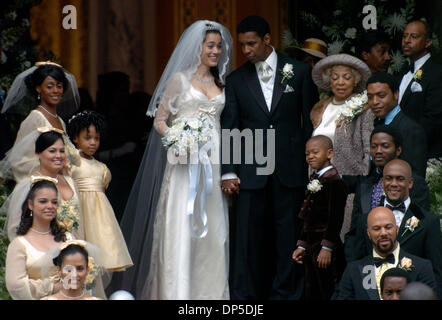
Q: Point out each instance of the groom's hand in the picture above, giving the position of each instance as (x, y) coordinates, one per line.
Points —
(230, 186)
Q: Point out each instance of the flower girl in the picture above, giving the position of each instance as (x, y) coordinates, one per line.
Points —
(92, 178)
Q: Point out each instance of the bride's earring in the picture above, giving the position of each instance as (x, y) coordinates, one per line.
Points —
(30, 214)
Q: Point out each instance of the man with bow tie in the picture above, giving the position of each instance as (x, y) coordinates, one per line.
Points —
(361, 278)
(382, 92)
(420, 90)
(419, 230)
(385, 145)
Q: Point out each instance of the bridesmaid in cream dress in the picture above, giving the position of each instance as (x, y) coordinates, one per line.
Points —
(92, 178)
(50, 150)
(72, 260)
(51, 86)
(38, 232)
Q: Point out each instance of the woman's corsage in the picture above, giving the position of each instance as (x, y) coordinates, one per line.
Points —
(411, 224)
(352, 107)
(287, 72)
(314, 186)
(406, 264)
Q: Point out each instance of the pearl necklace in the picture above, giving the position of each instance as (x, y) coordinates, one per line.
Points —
(54, 115)
(39, 232)
(70, 297)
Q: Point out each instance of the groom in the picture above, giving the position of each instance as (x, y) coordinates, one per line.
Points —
(259, 97)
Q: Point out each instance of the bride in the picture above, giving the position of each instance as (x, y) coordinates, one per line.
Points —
(176, 229)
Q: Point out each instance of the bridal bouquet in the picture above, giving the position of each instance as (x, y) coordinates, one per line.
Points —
(67, 216)
(185, 134)
(352, 107)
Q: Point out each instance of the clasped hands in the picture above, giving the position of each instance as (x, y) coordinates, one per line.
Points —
(230, 186)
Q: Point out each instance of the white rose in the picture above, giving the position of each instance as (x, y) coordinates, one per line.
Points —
(314, 186)
(347, 112)
(288, 68)
(350, 33)
(194, 123)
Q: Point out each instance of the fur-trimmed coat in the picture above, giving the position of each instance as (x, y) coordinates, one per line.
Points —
(351, 141)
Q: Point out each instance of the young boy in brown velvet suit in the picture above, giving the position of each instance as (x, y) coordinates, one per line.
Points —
(319, 246)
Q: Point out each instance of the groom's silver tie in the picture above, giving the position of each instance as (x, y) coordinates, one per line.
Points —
(265, 72)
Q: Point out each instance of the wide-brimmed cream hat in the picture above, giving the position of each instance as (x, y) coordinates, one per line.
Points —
(344, 60)
(313, 46)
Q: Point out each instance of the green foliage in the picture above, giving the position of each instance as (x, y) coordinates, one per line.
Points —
(4, 242)
(434, 181)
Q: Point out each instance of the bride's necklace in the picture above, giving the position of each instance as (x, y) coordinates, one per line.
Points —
(40, 232)
(208, 81)
(337, 102)
(54, 115)
(71, 297)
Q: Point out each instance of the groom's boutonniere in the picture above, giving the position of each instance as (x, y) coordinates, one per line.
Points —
(418, 75)
(314, 186)
(287, 72)
(411, 224)
(406, 264)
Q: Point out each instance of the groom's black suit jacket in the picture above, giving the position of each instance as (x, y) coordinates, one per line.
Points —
(351, 286)
(426, 107)
(289, 117)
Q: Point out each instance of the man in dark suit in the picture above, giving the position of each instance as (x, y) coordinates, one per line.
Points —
(419, 230)
(382, 92)
(361, 278)
(420, 90)
(385, 145)
(273, 94)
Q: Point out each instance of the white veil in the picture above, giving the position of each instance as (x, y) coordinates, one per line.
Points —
(186, 58)
(18, 91)
(139, 215)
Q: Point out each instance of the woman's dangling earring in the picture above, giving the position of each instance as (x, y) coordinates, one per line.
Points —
(38, 97)
(30, 214)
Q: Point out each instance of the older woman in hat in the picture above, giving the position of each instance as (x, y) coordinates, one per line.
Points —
(345, 116)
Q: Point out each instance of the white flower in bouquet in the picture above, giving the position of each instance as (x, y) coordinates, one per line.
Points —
(185, 134)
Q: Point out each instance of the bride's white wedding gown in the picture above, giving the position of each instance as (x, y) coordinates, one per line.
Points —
(182, 266)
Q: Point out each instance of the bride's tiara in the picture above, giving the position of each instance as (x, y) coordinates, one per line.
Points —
(43, 63)
(210, 26)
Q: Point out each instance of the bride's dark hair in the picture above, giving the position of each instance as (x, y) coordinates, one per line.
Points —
(214, 70)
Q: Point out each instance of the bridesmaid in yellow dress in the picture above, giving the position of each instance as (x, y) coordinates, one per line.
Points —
(38, 232)
(92, 178)
(75, 262)
(54, 90)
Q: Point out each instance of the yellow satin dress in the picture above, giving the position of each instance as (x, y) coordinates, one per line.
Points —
(101, 228)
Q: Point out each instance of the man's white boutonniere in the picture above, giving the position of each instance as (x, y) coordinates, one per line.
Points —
(418, 75)
(314, 186)
(287, 72)
(411, 224)
(352, 107)
(406, 264)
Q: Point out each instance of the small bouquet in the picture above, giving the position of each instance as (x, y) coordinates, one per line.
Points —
(352, 107)
(185, 134)
(67, 216)
(93, 272)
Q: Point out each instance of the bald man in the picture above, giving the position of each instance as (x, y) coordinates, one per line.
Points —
(361, 278)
